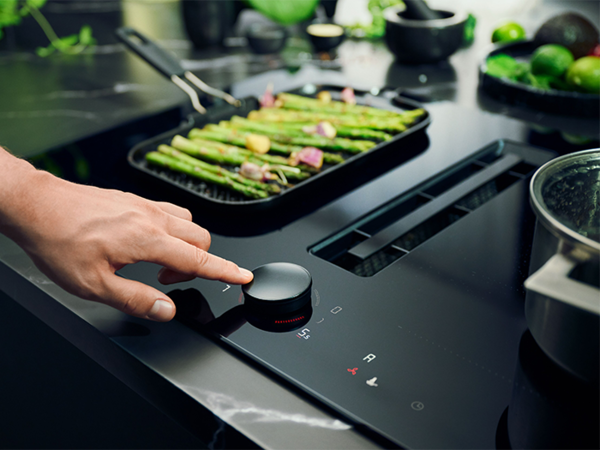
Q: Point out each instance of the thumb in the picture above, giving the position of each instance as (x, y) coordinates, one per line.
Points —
(138, 299)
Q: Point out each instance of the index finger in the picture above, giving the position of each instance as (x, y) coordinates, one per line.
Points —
(182, 257)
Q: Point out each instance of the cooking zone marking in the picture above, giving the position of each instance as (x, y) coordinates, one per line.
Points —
(485, 369)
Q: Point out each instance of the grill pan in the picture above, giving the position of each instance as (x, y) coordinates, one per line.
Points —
(356, 170)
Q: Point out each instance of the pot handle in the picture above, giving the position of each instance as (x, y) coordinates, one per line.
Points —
(552, 280)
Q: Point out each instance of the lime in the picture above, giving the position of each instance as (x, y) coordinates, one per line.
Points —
(508, 32)
(551, 59)
(585, 74)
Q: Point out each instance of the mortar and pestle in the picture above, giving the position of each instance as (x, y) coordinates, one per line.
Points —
(417, 34)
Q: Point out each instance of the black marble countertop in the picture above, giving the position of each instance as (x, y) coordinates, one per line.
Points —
(106, 100)
(51, 102)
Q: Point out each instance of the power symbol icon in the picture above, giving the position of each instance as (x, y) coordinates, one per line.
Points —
(417, 406)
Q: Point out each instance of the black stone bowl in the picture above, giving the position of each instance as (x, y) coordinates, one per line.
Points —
(565, 103)
(319, 38)
(423, 41)
(266, 38)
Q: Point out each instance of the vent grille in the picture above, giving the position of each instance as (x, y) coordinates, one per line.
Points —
(393, 230)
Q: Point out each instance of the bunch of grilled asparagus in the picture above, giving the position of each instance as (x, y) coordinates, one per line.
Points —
(277, 146)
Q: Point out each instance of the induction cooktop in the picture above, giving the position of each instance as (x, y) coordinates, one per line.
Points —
(405, 321)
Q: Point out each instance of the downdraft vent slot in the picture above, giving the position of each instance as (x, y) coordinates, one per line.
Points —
(397, 228)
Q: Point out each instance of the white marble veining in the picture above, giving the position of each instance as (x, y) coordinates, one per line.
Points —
(226, 407)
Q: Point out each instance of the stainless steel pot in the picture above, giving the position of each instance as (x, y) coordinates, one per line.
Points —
(563, 297)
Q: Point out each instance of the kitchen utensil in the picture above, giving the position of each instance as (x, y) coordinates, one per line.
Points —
(167, 65)
(208, 21)
(563, 296)
(325, 36)
(423, 41)
(266, 38)
(553, 101)
(418, 10)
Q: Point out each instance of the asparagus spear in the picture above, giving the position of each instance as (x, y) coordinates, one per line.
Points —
(195, 171)
(184, 157)
(296, 129)
(347, 145)
(394, 125)
(232, 135)
(213, 140)
(291, 101)
(221, 155)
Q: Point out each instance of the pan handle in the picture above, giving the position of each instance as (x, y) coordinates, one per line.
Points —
(160, 59)
(157, 57)
(552, 281)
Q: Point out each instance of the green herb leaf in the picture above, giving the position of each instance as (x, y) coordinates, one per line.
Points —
(469, 33)
(85, 35)
(45, 51)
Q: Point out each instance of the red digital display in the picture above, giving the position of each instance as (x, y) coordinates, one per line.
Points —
(296, 319)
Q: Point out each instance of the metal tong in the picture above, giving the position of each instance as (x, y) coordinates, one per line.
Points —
(166, 64)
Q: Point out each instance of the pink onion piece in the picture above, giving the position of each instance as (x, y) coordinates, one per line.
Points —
(255, 172)
(322, 129)
(311, 156)
(326, 129)
(348, 96)
(267, 100)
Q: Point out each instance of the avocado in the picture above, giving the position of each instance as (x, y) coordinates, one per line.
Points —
(571, 30)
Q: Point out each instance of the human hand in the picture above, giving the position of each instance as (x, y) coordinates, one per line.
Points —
(79, 236)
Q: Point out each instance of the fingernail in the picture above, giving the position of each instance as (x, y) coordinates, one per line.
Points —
(246, 273)
(161, 311)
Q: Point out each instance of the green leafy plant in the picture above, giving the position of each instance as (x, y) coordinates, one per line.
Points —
(285, 12)
(12, 13)
(376, 29)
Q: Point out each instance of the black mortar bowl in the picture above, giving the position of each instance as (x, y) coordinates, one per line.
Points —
(423, 41)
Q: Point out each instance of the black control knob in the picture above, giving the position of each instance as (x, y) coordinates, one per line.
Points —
(278, 288)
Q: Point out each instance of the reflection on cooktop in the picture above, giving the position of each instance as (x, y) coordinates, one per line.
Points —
(194, 310)
(551, 408)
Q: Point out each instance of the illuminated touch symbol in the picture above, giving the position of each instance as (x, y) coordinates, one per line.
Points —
(304, 334)
(336, 310)
(372, 382)
(353, 371)
(370, 357)
(417, 406)
(226, 288)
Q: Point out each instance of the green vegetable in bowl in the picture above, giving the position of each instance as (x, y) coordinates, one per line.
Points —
(584, 74)
(505, 66)
(551, 59)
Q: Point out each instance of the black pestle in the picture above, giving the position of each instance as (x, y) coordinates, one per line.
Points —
(418, 10)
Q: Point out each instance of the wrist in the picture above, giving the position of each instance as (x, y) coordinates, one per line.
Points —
(21, 189)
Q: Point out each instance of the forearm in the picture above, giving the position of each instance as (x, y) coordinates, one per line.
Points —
(79, 236)
(20, 187)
